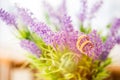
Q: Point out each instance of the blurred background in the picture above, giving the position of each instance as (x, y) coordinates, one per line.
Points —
(12, 58)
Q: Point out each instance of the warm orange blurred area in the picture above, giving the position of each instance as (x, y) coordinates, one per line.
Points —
(115, 72)
(13, 65)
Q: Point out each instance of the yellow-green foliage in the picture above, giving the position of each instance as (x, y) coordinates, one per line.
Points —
(56, 64)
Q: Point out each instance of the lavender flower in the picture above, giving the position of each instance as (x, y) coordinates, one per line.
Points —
(40, 28)
(71, 41)
(63, 39)
(43, 31)
(31, 47)
(112, 39)
(107, 46)
(67, 36)
(118, 39)
(83, 12)
(58, 13)
(97, 42)
(62, 8)
(26, 16)
(7, 17)
(115, 27)
(66, 24)
(95, 8)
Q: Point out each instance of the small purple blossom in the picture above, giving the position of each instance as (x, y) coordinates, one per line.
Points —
(67, 36)
(31, 47)
(10, 19)
(83, 12)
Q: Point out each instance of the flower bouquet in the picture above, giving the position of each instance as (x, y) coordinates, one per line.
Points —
(60, 52)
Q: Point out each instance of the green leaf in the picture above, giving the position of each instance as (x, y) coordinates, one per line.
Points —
(85, 30)
(106, 62)
(102, 75)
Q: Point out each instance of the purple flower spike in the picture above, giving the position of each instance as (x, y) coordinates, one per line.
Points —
(62, 8)
(67, 26)
(39, 28)
(97, 42)
(107, 46)
(83, 12)
(31, 47)
(104, 55)
(26, 16)
(43, 31)
(118, 39)
(56, 13)
(115, 27)
(7, 17)
(112, 39)
(95, 8)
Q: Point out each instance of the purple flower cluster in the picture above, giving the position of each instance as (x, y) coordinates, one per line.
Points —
(63, 39)
(31, 47)
(7, 17)
(66, 37)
